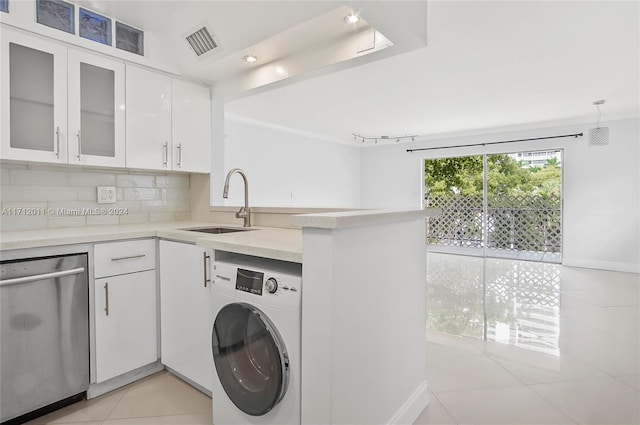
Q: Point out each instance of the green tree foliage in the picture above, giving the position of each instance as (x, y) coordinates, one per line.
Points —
(505, 176)
(448, 176)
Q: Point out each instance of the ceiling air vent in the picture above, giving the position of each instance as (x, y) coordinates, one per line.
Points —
(202, 41)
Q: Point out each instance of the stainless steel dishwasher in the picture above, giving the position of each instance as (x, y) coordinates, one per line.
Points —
(44, 334)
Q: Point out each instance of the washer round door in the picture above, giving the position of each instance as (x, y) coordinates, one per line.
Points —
(250, 358)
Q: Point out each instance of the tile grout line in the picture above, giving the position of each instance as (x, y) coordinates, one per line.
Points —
(118, 402)
(445, 409)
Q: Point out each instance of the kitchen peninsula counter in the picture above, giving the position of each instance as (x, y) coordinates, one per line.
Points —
(270, 242)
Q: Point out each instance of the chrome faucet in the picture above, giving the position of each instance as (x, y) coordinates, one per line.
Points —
(243, 212)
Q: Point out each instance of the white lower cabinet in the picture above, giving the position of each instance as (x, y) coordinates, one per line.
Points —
(186, 311)
(125, 303)
(125, 323)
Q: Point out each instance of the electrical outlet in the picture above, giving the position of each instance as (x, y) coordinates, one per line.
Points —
(106, 194)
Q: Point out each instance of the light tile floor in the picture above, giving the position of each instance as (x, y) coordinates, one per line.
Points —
(160, 399)
(570, 351)
(588, 373)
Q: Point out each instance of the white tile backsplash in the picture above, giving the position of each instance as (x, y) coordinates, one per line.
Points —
(141, 194)
(87, 193)
(135, 180)
(183, 215)
(91, 179)
(162, 216)
(66, 196)
(52, 193)
(67, 221)
(96, 220)
(181, 182)
(10, 193)
(11, 223)
(4, 176)
(158, 206)
(132, 207)
(134, 218)
(39, 178)
(175, 194)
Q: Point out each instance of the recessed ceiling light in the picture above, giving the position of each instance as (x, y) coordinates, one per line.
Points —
(351, 19)
(250, 58)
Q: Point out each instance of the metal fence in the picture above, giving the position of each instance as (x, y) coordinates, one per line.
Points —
(514, 222)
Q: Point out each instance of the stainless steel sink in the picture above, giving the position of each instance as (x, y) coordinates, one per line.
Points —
(217, 230)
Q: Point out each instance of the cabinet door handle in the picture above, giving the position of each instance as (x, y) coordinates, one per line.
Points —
(130, 257)
(165, 154)
(79, 145)
(179, 155)
(106, 298)
(204, 262)
(58, 142)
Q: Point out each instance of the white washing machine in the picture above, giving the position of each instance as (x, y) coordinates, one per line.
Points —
(256, 341)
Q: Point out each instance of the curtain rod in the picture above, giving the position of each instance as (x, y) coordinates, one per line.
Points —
(576, 135)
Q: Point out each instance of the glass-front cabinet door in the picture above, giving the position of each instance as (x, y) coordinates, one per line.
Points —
(96, 110)
(33, 98)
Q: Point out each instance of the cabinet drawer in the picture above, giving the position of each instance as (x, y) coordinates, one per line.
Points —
(115, 258)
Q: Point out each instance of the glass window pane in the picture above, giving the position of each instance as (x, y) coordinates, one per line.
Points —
(95, 27)
(129, 39)
(97, 110)
(4, 6)
(31, 98)
(56, 14)
(524, 205)
(455, 185)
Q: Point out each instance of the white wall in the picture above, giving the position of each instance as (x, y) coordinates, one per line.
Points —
(288, 170)
(363, 329)
(601, 186)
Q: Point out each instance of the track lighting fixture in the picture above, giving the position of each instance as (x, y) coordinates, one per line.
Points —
(363, 139)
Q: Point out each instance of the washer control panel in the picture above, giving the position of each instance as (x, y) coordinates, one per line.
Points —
(279, 289)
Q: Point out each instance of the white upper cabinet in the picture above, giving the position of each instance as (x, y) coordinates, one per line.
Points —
(96, 110)
(60, 105)
(191, 127)
(148, 119)
(69, 106)
(33, 98)
(168, 123)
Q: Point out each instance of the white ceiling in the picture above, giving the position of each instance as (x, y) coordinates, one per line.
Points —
(486, 65)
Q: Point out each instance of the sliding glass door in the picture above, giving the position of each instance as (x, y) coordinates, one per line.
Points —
(502, 205)
(492, 271)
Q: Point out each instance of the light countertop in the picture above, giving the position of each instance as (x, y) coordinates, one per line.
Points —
(269, 242)
(342, 219)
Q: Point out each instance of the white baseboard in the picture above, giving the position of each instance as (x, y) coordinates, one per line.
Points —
(411, 409)
(96, 390)
(601, 265)
(189, 381)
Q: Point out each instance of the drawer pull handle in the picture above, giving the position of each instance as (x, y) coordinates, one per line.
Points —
(206, 279)
(223, 278)
(106, 298)
(130, 257)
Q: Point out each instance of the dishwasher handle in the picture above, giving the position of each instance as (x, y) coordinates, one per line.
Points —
(43, 276)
